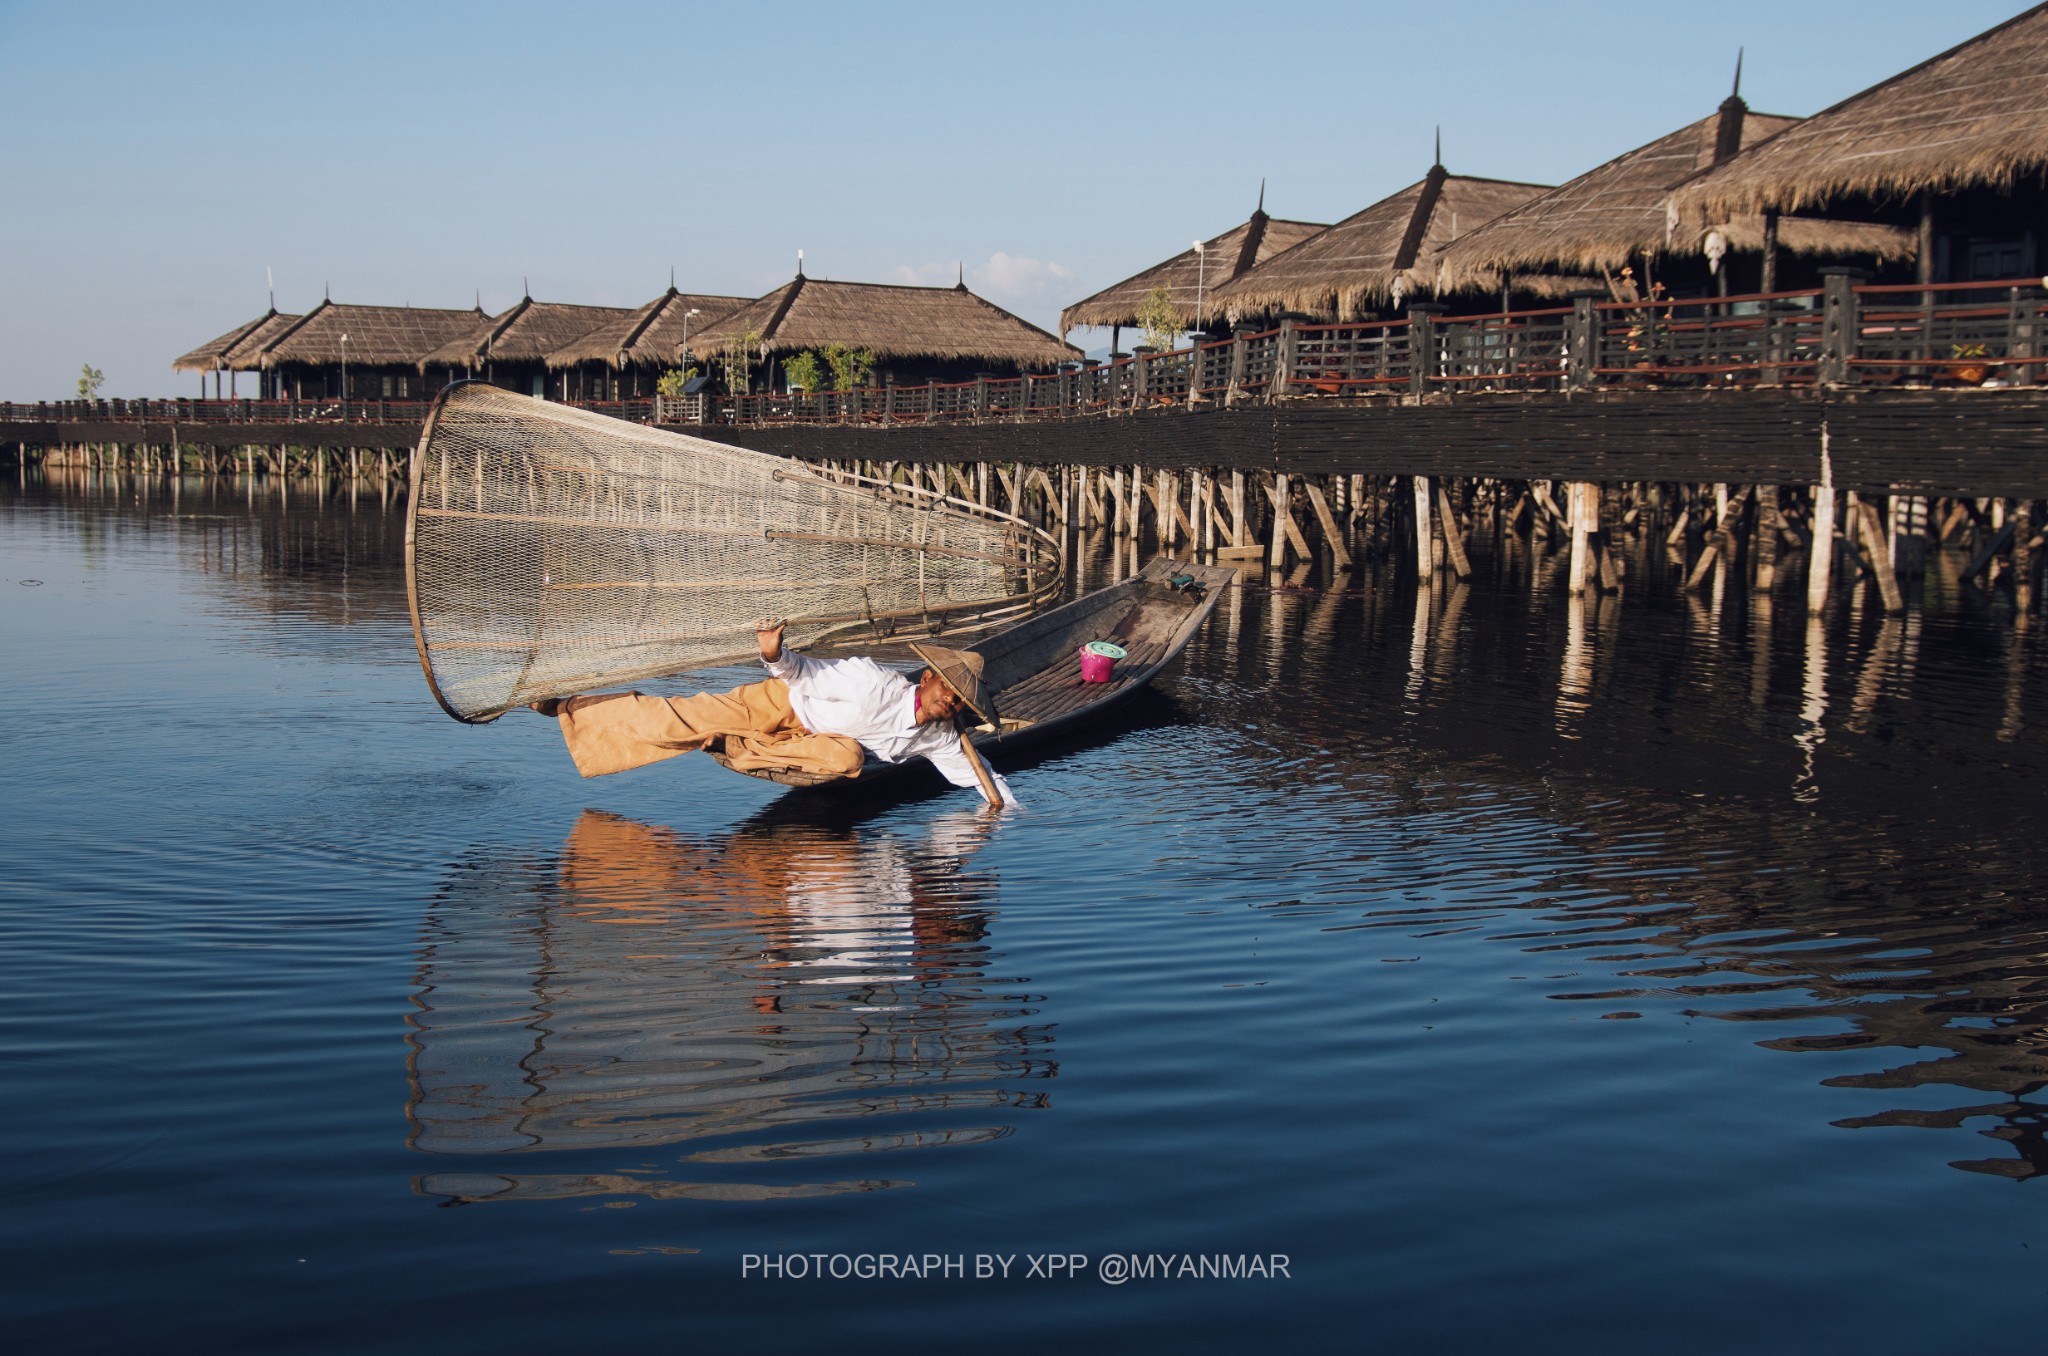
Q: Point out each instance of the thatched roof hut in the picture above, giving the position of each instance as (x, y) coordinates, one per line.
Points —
(1975, 116)
(892, 321)
(377, 336)
(1597, 223)
(1192, 277)
(527, 333)
(240, 349)
(1368, 261)
(648, 336)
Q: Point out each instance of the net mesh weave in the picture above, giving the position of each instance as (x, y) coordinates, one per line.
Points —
(552, 551)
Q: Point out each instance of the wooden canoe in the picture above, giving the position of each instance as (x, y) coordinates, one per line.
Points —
(1034, 668)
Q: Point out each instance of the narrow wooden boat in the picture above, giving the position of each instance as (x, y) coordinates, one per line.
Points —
(1034, 667)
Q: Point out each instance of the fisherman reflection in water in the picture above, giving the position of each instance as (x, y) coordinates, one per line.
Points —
(822, 716)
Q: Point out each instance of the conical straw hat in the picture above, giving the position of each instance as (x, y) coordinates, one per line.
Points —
(961, 670)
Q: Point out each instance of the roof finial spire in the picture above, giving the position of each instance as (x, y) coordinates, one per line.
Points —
(1439, 143)
(479, 298)
(960, 274)
(671, 277)
(271, 283)
(799, 263)
(1736, 93)
(326, 291)
(1262, 195)
(525, 287)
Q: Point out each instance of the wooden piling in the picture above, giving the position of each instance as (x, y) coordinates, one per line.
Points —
(1821, 551)
(1454, 536)
(2023, 562)
(1878, 546)
(1335, 538)
(1763, 539)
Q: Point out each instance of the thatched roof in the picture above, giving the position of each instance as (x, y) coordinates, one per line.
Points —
(528, 332)
(1606, 217)
(238, 350)
(377, 335)
(649, 336)
(1974, 116)
(1369, 259)
(1189, 277)
(890, 321)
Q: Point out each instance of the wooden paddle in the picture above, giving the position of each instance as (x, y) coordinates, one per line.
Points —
(981, 772)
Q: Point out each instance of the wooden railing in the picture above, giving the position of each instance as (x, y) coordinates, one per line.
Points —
(1843, 334)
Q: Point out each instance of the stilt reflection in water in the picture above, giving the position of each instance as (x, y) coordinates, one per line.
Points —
(648, 988)
(1813, 710)
(1575, 681)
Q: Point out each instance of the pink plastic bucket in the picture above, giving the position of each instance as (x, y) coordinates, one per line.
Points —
(1098, 660)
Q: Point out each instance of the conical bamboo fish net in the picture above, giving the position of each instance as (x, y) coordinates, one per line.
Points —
(551, 551)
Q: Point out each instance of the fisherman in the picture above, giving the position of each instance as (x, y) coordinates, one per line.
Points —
(810, 715)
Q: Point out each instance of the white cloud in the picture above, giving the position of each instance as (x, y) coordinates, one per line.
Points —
(1007, 279)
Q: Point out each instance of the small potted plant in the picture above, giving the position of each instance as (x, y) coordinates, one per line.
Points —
(1969, 367)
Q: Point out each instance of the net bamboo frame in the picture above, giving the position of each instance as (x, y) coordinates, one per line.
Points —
(551, 551)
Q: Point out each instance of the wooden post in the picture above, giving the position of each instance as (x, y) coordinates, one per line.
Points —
(1763, 538)
(1239, 536)
(1721, 548)
(1582, 341)
(1923, 267)
(1237, 361)
(1285, 533)
(1425, 545)
(1768, 279)
(1874, 542)
(1283, 362)
(1454, 536)
(1821, 554)
(1422, 355)
(1329, 522)
(1276, 551)
(1607, 542)
(1580, 575)
(1116, 495)
(1840, 323)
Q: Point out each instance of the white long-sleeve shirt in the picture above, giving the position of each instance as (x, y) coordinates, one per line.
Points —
(862, 700)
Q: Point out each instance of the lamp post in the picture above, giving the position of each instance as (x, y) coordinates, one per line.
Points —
(344, 378)
(1201, 277)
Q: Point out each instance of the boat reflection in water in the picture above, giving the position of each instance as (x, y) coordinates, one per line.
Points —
(792, 991)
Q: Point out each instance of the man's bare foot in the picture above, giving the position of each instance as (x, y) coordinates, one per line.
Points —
(547, 706)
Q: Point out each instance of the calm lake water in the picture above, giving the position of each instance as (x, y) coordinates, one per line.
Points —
(1654, 974)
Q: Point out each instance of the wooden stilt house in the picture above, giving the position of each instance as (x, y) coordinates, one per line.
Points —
(1375, 261)
(239, 350)
(1609, 229)
(343, 352)
(512, 351)
(1191, 277)
(1954, 150)
(623, 358)
(914, 334)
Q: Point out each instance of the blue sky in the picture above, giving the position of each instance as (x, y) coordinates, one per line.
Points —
(158, 158)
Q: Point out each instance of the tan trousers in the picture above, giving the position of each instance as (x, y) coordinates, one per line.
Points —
(753, 725)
